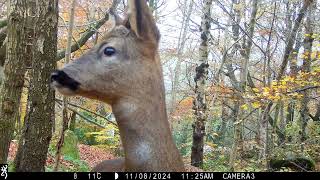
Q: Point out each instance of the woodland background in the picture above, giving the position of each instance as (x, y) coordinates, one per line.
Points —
(242, 84)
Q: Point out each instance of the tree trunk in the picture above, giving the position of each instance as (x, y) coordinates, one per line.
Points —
(287, 51)
(273, 128)
(14, 71)
(316, 117)
(282, 123)
(235, 18)
(236, 136)
(200, 86)
(224, 119)
(293, 72)
(37, 132)
(263, 140)
(243, 83)
(73, 119)
(306, 66)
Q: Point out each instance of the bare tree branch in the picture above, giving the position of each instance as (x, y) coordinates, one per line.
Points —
(241, 28)
(83, 117)
(91, 112)
(89, 32)
(304, 89)
(84, 38)
(291, 39)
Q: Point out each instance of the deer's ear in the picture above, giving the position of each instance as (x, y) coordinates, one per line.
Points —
(117, 19)
(141, 21)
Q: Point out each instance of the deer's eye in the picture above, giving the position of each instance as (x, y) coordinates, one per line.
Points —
(109, 51)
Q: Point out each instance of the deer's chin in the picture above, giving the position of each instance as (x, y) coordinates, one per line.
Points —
(62, 89)
(94, 95)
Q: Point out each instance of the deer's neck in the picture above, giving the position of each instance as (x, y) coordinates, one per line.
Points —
(145, 134)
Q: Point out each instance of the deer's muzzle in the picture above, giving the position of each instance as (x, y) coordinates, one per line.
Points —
(60, 79)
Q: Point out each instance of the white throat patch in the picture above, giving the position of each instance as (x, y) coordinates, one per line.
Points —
(143, 151)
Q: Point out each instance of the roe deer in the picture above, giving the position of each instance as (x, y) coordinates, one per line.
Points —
(124, 71)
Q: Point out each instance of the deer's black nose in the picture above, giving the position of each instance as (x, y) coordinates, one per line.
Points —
(55, 76)
(64, 80)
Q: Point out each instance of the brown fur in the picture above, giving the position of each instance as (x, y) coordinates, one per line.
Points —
(114, 165)
(131, 82)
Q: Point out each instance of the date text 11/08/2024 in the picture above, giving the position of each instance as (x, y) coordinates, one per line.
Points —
(195, 176)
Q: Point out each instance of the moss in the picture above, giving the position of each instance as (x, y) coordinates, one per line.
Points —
(299, 163)
(70, 146)
(11, 167)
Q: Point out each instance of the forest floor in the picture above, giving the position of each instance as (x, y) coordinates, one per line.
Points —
(91, 155)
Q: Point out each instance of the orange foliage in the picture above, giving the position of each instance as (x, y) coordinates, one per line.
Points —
(86, 14)
(184, 108)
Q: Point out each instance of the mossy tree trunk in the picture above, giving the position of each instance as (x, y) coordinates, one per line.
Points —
(37, 132)
(14, 70)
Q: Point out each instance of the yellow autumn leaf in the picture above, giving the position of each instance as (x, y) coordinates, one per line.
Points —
(313, 55)
(283, 84)
(265, 93)
(256, 104)
(288, 79)
(276, 98)
(294, 94)
(317, 69)
(299, 96)
(255, 90)
(212, 145)
(245, 107)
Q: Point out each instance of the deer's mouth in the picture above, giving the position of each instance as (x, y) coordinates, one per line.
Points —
(64, 83)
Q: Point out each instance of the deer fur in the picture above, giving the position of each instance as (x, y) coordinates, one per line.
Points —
(131, 81)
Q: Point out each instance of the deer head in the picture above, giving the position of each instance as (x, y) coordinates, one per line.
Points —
(122, 63)
(124, 71)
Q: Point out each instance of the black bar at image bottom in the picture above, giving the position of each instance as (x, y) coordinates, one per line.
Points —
(158, 175)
